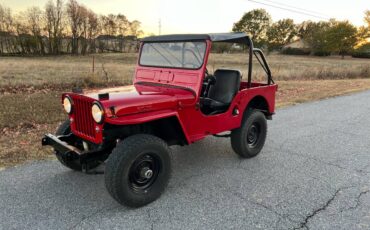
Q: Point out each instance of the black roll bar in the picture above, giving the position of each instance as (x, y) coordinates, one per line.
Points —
(263, 63)
(249, 85)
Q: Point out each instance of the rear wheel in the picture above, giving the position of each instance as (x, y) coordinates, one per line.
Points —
(248, 140)
(138, 170)
(74, 164)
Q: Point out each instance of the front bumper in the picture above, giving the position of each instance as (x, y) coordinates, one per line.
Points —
(62, 146)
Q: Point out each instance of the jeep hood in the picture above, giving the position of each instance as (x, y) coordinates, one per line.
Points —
(133, 99)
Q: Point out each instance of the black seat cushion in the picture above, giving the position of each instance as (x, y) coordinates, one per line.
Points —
(226, 87)
(212, 104)
(222, 93)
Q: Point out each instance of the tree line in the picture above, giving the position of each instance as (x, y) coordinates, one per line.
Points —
(65, 27)
(323, 37)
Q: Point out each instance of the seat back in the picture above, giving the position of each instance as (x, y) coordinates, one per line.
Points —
(226, 87)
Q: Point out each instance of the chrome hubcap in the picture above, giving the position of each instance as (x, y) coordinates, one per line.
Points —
(146, 173)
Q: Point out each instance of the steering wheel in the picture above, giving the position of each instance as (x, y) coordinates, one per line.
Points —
(207, 73)
(209, 80)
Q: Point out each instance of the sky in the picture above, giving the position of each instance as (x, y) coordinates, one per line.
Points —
(203, 16)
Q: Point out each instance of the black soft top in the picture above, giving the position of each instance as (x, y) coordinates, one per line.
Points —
(215, 37)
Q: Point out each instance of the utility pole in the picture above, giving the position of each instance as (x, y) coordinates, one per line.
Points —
(159, 26)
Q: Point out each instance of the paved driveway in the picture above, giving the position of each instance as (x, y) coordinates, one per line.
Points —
(314, 172)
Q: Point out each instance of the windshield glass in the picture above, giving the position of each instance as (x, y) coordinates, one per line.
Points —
(188, 55)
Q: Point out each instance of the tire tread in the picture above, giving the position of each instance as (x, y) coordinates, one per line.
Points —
(122, 153)
(237, 134)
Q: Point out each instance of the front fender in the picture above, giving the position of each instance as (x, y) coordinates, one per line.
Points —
(140, 118)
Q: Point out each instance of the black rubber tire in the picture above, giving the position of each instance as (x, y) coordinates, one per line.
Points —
(123, 157)
(239, 137)
(65, 129)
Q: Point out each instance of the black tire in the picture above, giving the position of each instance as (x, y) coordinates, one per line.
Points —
(65, 129)
(125, 171)
(248, 140)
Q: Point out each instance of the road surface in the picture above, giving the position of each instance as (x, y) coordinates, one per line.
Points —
(314, 173)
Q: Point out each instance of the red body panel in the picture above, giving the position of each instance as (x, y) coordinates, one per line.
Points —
(199, 125)
(82, 123)
(168, 92)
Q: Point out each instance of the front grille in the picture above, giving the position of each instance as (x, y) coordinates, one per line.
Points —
(84, 122)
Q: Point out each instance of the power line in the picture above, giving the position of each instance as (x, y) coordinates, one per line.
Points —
(301, 9)
(291, 10)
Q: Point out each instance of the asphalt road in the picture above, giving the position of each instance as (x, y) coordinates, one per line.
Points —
(314, 172)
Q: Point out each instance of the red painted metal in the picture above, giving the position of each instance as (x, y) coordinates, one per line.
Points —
(165, 92)
(82, 122)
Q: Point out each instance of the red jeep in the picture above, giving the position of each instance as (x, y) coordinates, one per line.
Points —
(174, 100)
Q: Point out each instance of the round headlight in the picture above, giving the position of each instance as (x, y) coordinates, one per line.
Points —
(67, 104)
(97, 112)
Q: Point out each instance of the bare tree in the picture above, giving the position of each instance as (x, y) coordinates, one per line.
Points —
(35, 23)
(2, 18)
(122, 24)
(6, 19)
(8, 42)
(92, 30)
(135, 28)
(25, 32)
(5, 16)
(75, 19)
(109, 24)
(22, 36)
(84, 27)
(54, 26)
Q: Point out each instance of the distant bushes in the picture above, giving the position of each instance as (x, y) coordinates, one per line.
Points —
(295, 51)
(321, 53)
(303, 51)
(225, 47)
(362, 52)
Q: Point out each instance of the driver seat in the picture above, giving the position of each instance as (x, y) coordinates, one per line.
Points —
(221, 94)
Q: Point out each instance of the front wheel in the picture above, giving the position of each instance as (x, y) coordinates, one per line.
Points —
(248, 140)
(138, 170)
